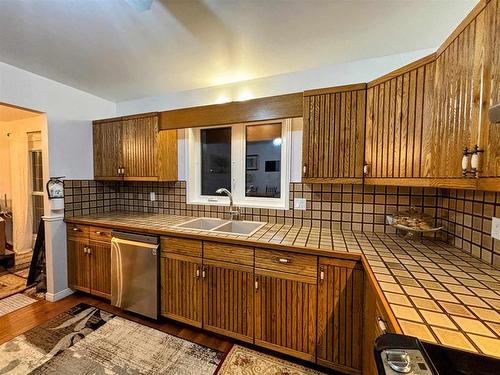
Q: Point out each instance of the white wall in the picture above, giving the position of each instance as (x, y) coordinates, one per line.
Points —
(340, 74)
(69, 147)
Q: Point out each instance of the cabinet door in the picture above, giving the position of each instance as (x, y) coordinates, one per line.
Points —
(100, 268)
(340, 314)
(181, 288)
(285, 313)
(398, 125)
(107, 142)
(140, 149)
(228, 291)
(78, 264)
(333, 136)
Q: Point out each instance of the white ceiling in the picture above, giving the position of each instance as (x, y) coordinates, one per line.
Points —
(9, 113)
(107, 48)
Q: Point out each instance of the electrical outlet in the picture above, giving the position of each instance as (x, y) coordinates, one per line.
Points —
(299, 204)
(495, 228)
(152, 196)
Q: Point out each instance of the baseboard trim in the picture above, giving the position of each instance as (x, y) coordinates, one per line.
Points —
(53, 297)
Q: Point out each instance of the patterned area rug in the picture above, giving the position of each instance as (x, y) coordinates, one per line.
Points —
(87, 340)
(11, 284)
(244, 361)
(15, 302)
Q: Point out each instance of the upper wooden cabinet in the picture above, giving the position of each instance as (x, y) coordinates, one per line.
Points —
(133, 148)
(420, 118)
(467, 84)
(333, 136)
(398, 124)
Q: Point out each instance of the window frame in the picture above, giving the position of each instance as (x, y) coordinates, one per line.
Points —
(238, 168)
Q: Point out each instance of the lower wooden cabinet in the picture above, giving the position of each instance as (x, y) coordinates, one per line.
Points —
(78, 264)
(340, 314)
(100, 268)
(181, 288)
(285, 313)
(89, 264)
(228, 294)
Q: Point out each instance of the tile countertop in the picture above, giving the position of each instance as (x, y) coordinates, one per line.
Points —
(435, 291)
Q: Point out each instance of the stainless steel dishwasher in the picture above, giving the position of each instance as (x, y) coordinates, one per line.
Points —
(134, 273)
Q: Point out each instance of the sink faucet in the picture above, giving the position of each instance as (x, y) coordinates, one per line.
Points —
(233, 214)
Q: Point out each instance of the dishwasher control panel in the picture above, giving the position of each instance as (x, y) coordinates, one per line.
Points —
(404, 361)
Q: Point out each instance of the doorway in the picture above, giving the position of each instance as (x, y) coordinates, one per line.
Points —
(23, 158)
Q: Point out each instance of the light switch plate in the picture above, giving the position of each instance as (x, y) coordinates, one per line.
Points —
(495, 228)
(299, 204)
(152, 196)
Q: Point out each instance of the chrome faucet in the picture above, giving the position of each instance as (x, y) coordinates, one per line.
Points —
(233, 214)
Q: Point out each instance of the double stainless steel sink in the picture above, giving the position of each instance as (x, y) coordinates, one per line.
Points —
(237, 227)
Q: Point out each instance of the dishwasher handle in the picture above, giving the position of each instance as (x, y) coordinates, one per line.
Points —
(141, 238)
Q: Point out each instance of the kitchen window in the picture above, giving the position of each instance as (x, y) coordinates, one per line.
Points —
(250, 160)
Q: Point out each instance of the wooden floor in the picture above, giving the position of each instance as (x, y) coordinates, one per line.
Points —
(22, 320)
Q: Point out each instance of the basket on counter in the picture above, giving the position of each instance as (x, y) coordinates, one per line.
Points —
(412, 224)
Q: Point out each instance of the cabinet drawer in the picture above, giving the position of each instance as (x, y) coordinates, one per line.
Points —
(77, 231)
(100, 234)
(182, 246)
(228, 253)
(284, 261)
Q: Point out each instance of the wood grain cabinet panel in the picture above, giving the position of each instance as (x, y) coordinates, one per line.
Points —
(181, 288)
(285, 313)
(100, 268)
(340, 314)
(78, 264)
(133, 148)
(333, 135)
(398, 124)
(89, 259)
(107, 142)
(228, 295)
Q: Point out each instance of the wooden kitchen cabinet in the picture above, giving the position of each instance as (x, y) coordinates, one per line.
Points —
(467, 83)
(340, 314)
(398, 125)
(285, 313)
(78, 264)
(228, 295)
(89, 259)
(334, 134)
(181, 288)
(132, 148)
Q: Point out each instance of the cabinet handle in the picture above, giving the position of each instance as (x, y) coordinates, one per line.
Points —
(98, 233)
(75, 230)
(382, 325)
(284, 260)
(256, 284)
(89, 250)
(321, 274)
(197, 272)
(304, 169)
(85, 250)
(204, 273)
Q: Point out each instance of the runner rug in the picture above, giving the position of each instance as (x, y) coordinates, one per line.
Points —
(88, 340)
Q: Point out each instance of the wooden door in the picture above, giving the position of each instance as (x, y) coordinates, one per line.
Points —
(100, 268)
(333, 136)
(340, 314)
(285, 313)
(107, 143)
(140, 151)
(181, 288)
(78, 264)
(228, 291)
(399, 125)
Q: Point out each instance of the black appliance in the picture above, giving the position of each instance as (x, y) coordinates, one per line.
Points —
(399, 354)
